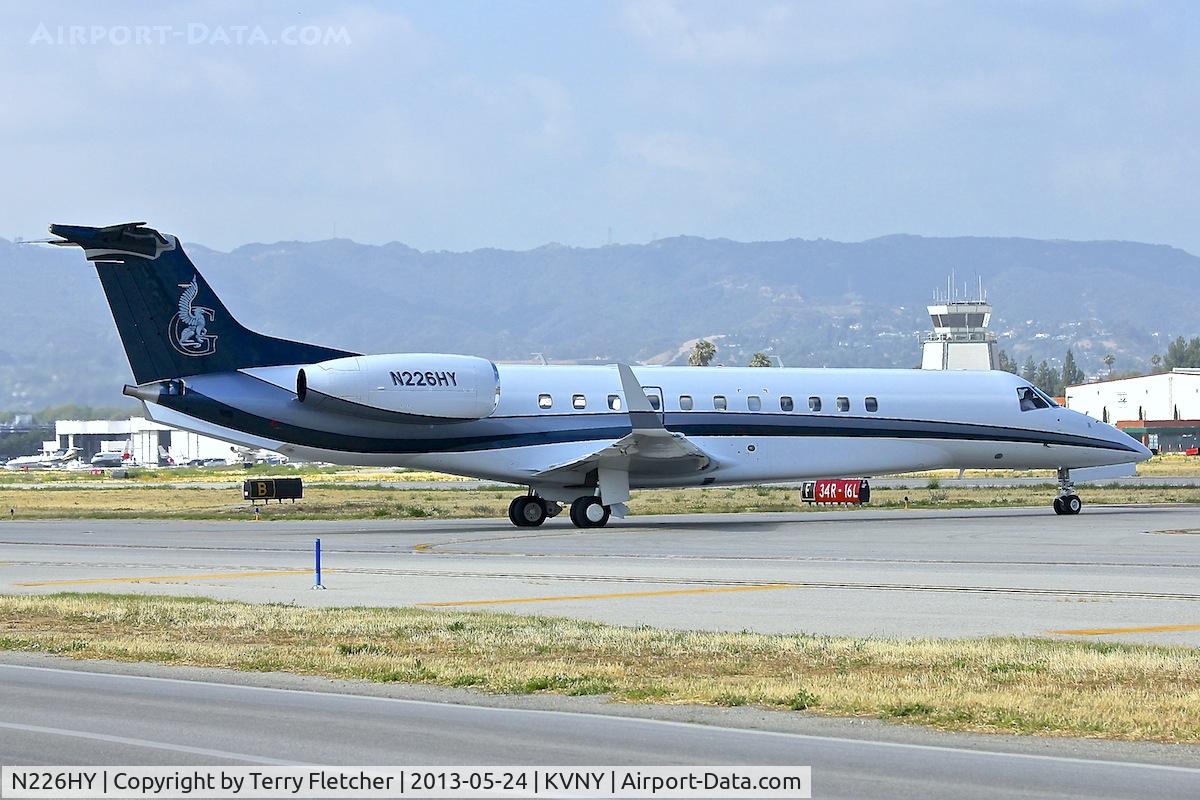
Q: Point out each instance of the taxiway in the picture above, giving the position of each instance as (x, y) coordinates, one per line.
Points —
(1112, 573)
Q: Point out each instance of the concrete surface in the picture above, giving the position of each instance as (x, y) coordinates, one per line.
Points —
(1112, 573)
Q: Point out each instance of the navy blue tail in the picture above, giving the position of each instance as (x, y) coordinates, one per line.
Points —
(171, 322)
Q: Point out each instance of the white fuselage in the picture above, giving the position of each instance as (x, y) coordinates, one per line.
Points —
(742, 417)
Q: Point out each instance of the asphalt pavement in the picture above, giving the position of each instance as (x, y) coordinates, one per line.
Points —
(77, 716)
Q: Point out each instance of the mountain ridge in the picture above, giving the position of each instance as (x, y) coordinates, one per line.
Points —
(813, 302)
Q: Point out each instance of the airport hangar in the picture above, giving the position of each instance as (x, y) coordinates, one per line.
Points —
(146, 441)
(1162, 410)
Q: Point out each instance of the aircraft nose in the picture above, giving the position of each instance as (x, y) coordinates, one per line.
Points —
(1142, 452)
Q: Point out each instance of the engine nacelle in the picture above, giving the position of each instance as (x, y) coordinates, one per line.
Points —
(405, 387)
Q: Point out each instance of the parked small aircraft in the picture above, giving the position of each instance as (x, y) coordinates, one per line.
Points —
(42, 460)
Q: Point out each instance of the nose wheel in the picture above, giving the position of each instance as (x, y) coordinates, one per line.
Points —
(1067, 503)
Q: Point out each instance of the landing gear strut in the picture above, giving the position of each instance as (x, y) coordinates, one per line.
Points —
(1067, 502)
(589, 512)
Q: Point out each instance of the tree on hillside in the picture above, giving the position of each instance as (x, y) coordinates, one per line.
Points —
(20, 444)
(1029, 371)
(1072, 375)
(1007, 364)
(1109, 360)
(1183, 353)
(1049, 380)
(759, 360)
(76, 411)
(1156, 363)
(702, 354)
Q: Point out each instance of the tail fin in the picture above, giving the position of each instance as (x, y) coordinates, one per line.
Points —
(171, 322)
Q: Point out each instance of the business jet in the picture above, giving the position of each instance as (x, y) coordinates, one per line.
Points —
(42, 460)
(576, 436)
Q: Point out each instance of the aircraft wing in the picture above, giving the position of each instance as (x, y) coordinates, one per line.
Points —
(648, 450)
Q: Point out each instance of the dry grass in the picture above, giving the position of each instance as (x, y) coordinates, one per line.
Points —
(1166, 465)
(1169, 465)
(356, 502)
(143, 476)
(1005, 685)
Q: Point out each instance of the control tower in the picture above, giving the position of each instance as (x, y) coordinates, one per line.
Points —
(960, 338)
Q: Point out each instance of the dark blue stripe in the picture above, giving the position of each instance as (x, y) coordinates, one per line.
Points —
(497, 433)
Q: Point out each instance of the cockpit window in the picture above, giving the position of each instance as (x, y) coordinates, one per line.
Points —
(1031, 399)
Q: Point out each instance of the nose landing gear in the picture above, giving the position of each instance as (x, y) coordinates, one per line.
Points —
(1067, 503)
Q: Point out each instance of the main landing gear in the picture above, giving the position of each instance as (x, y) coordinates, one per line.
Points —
(589, 512)
(1067, 502)
(530, 511)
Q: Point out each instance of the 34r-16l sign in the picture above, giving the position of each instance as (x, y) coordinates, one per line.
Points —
(836, 490)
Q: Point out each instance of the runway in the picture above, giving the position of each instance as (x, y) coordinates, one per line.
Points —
(77, 716)
(1113, 573)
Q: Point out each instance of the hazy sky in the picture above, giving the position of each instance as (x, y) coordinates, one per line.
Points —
(465, 125)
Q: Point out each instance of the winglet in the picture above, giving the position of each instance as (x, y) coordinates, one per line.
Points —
(641, 414)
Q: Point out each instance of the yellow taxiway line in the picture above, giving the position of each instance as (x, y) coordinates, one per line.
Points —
(614, 595)
(1141, 629)
(153, 578)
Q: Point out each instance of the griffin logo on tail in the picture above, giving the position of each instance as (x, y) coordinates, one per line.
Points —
(189, 327)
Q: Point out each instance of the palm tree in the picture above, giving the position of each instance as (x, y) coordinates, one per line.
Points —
(1109, 360)
(760, 360)
(702, 354)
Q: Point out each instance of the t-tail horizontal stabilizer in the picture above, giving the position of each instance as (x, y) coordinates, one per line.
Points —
(171, 322)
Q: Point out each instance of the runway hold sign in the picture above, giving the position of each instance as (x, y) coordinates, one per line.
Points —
(836, 490)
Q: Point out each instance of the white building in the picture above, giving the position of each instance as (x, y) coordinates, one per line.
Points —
(1162, 410)
(146, 441)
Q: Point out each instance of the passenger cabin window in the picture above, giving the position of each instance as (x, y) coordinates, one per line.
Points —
(579, 402)
(814, 404)
(655, 401)
(872, 404)
(1031, 399)
(614, 402)
(754, 403)
(545, 401)
(843, 404)
(786, 404)
(685, 402)
(719, 402)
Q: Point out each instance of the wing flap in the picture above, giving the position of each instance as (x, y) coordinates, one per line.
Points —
(648, 449)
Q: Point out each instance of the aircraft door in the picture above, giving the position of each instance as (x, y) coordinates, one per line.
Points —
(655, 395)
